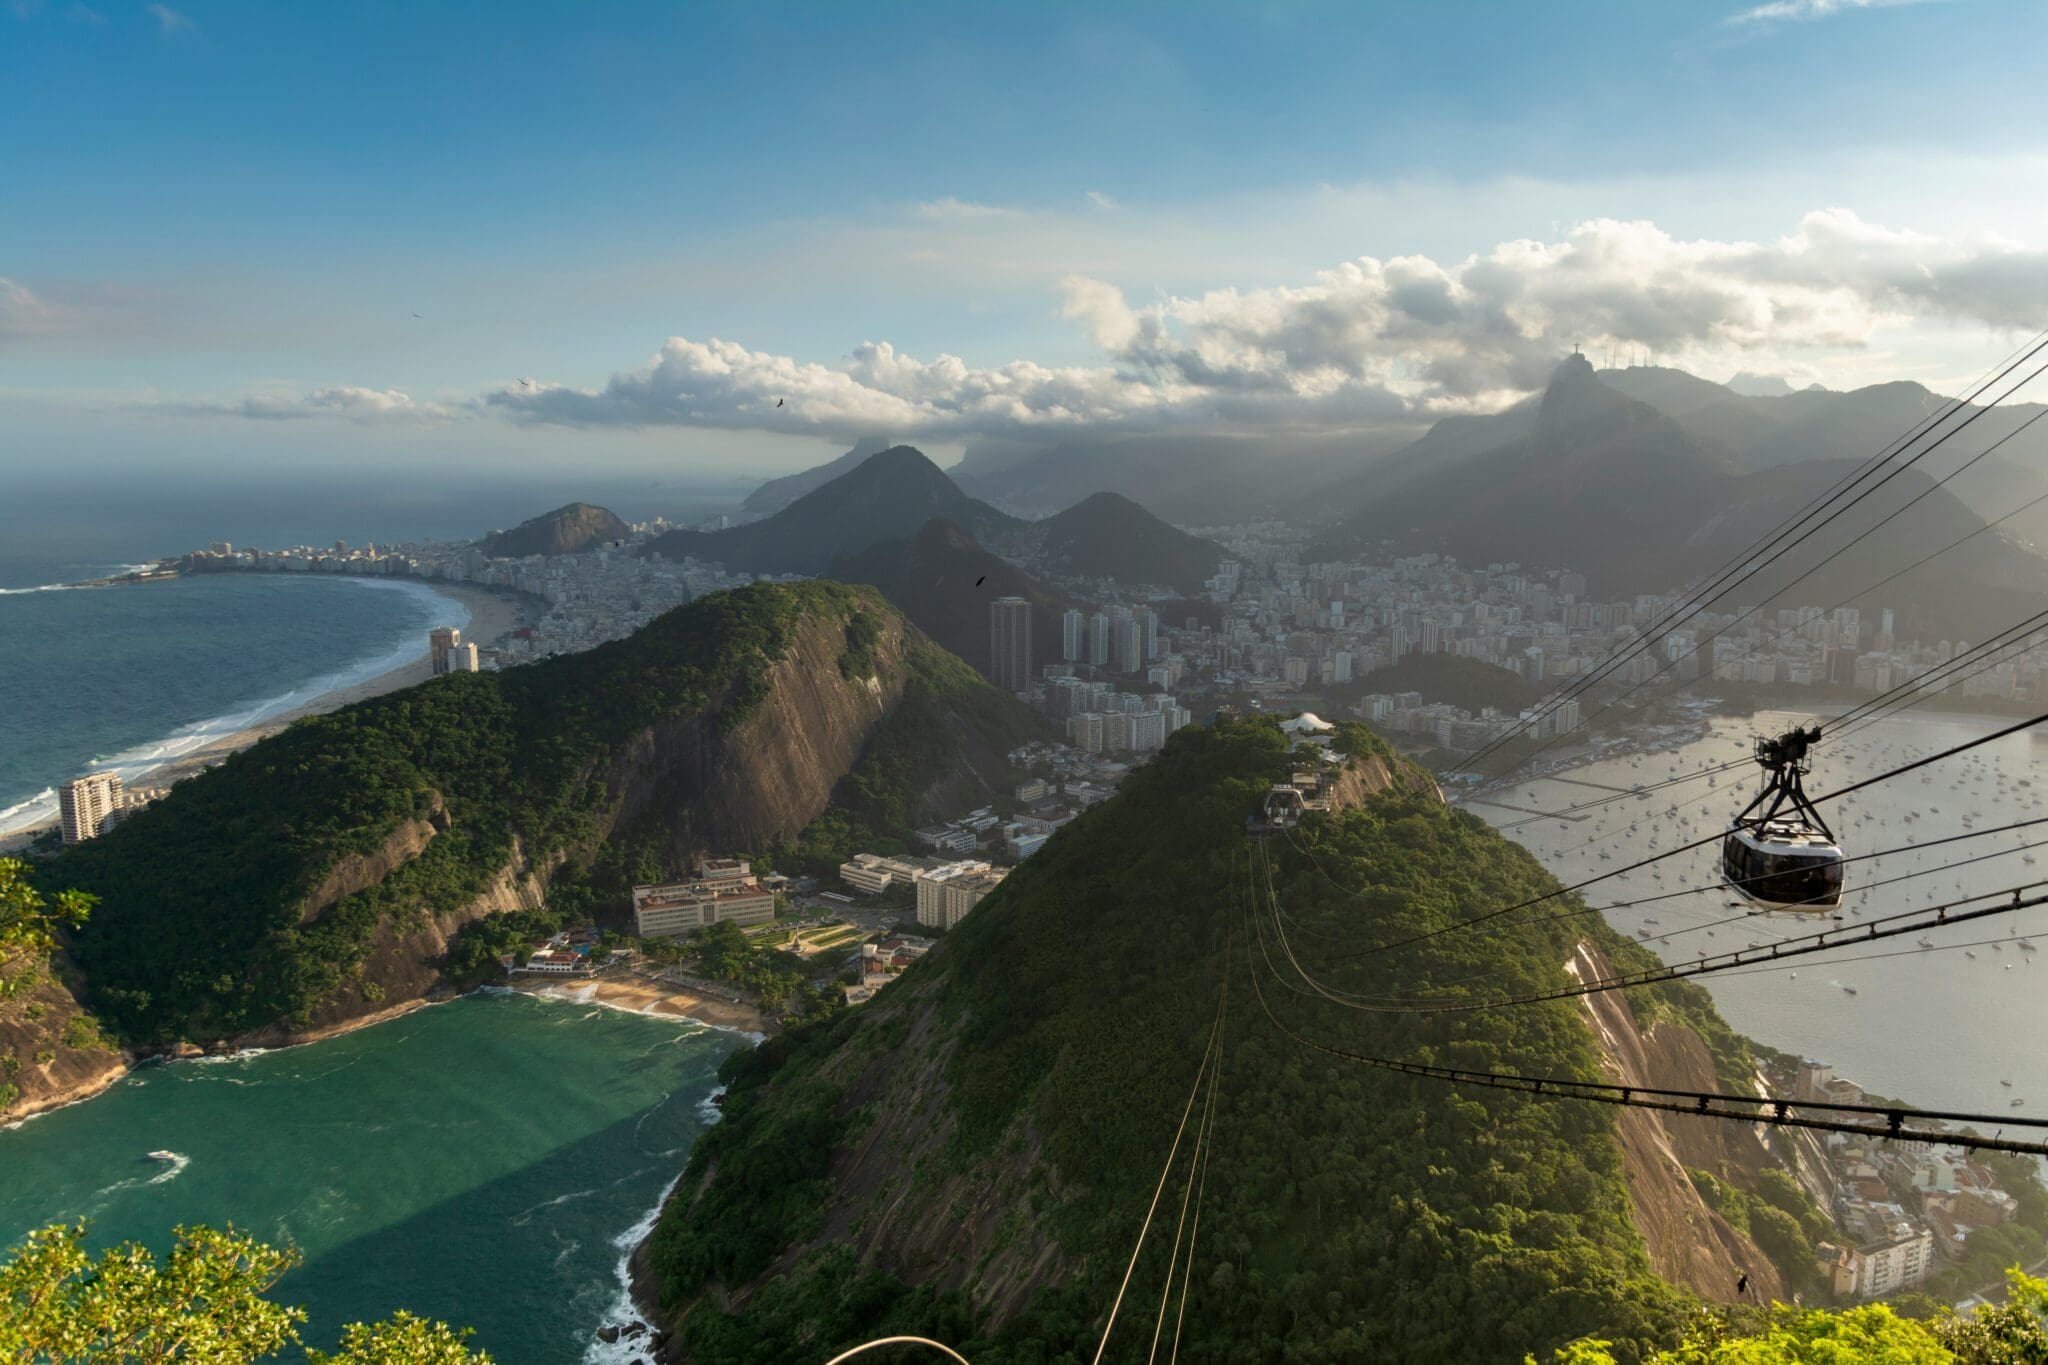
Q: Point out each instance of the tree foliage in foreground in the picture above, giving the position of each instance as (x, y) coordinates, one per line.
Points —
(204, 1303)
(29, 922)
(2011, 1333)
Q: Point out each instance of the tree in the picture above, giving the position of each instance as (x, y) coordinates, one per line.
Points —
(204, 1303)
(29, 924)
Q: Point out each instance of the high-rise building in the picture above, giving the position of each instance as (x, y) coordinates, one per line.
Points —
(1073, 635)
(84, 803)
(1098, 639)
(1009, 655)
(441, 642)
(462, 659)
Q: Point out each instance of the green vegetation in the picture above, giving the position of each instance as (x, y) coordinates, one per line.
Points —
(203, 931)
(2012, 1333)
(727, 954)
(1470, 683)
(203, 1302)
(29, 922)
(1349, 1213)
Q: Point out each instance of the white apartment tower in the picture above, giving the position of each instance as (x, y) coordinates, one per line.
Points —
(84, 803)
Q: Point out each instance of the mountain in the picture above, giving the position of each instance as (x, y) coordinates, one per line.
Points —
(887, 496)
(1191, 480)
(1640, 500)
(322, 875)
(971, 1155)
(776, 494)
(565, 531)
(1600, 483)
(943, 581)
(1109, 536)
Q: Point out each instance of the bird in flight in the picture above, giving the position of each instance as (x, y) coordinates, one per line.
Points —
(527, 383)
(415, 314)
(981, 580)
(778, 402)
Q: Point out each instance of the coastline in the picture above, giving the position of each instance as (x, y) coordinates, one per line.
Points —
(492, 614)
(636, 994)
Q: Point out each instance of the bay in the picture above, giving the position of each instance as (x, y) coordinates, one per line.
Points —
(484, 1162)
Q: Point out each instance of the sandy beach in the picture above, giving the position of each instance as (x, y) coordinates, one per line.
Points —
(492, 614)
(647, 995)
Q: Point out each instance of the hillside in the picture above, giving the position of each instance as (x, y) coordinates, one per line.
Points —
(775, 494)
(887, 496)
(971, 1155)
(1470, 683)
(565, 531)
(319, 876)
(944, 581)
(1109, 536)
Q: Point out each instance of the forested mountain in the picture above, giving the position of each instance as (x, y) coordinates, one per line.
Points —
(1107, 535)
(565, 531)
(321, 874)
(944, 581)
(776, 494)
(887, 496)
(971, 1155)
(1470, 683)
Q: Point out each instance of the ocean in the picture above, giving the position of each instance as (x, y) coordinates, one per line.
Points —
(126, 677)
(1953, 1025)
(487, 1162)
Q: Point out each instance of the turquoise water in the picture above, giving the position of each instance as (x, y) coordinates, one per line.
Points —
(127, 677)
(479, 1162)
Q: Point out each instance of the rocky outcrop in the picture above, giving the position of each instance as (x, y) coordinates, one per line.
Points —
(51, 1053)
(1689, 1243)
(360, 871)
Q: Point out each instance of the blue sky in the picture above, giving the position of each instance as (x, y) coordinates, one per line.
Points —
(212, 213)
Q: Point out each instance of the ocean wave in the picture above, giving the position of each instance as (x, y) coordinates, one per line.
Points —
(623, 1311)
(143, 759)
(40, 587)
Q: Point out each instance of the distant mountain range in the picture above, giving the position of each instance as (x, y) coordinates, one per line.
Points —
(565, 531)
(1642, 496)
(889, 495)
(1109, 536)
(1190, 480)
(943, 580)
(776, 494)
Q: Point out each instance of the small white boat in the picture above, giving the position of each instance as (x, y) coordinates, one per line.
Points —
(161, 1155)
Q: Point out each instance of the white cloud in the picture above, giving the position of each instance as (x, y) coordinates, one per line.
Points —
(23, 314)
(1802, 11)
(1364, 341)
(345, 401)
(168, 20)
(1101, 200)
(950, 210)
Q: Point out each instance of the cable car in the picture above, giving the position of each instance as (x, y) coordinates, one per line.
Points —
(1779, 853)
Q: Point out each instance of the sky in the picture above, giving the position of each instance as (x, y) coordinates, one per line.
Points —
(730, 239)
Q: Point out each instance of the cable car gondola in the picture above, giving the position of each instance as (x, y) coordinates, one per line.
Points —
(1786, 857)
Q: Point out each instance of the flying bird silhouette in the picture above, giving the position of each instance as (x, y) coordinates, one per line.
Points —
(981, 580)
(415, 314)
(778, 402)
(527, 382)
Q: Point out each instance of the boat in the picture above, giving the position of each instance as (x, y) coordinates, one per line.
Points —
(1925, 942)
(2017, 1103)
(161, 1155)
(2006, 1084)
(2026, 945)
(1850, 989)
